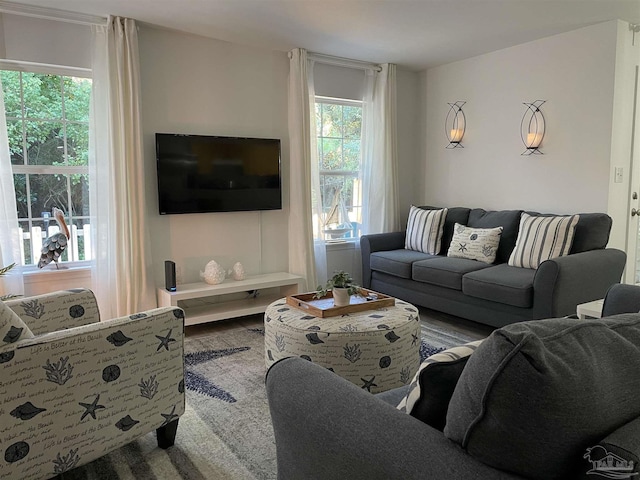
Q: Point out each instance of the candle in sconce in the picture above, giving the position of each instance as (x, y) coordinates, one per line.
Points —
(456, 135)
(533, 140)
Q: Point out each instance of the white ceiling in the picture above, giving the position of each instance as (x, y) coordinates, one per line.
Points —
(415, 34)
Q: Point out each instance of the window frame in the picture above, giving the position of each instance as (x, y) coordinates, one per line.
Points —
(67, 170)
(344, 102)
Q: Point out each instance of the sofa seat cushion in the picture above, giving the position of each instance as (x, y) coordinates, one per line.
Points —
(445, 271)
(502, 284)
(397, 262)
(535, 395)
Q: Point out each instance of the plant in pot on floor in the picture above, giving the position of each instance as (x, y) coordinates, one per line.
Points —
(341, 286)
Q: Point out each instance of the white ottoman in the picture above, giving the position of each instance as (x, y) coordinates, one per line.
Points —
(376, 349)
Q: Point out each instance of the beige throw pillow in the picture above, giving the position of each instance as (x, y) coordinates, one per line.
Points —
(424, 230)
(479, 244)
(542, 238)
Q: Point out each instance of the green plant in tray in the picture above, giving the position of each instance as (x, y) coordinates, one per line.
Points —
(340, 279)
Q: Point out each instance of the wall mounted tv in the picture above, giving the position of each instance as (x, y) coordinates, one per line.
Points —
(200, 173)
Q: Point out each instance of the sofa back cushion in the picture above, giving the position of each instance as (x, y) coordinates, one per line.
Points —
(509, 220)
(591, 233)
(535, 395)
(454, 215)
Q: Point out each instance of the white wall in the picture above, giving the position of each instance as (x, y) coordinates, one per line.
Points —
(45, 41)
(196, 85)
(574, 73)
(624, 235)
(410, 134)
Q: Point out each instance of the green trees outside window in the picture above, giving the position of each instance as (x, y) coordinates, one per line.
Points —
(48, 129)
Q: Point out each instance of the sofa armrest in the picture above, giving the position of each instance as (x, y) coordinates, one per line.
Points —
(57, 311)
(562, 283)
(621, 298)
(623, 443)
(71, 396)
(375, 243)
(327, 428)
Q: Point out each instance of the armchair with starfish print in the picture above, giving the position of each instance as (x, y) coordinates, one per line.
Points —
(74, 388)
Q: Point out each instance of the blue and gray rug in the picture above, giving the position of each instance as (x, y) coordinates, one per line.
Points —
(226, 430)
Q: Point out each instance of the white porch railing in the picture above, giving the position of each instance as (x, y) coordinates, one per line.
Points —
(32, 241)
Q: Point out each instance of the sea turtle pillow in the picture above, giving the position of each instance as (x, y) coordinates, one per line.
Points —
(12, 328)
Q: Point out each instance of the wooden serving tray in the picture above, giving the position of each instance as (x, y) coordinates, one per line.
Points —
(323, 307)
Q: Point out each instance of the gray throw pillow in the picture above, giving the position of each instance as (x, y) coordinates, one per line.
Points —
(535, 395)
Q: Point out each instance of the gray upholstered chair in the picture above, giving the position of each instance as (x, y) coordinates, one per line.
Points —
(542, 399)
(74, 388)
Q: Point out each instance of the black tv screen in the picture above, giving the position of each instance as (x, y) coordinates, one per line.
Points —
(200, 173)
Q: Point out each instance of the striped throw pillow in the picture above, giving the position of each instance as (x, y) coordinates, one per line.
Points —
(542, 238)
(432, 386)
(424, 230)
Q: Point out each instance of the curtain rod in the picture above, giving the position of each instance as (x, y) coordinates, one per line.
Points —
(50, 14)
(342, 62)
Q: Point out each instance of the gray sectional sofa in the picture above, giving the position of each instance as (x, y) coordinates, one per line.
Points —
(495, 294)
(538, 400)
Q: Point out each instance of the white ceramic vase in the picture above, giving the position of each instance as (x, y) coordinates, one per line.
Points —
(213, 273)
(341, 297)
(237, 272)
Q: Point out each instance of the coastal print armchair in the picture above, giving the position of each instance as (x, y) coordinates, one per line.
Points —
(73, 388)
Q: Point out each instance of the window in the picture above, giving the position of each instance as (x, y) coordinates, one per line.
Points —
(48, 129)
(339, 126)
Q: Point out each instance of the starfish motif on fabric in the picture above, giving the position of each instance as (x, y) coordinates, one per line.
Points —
(164, 341)
(169, 417)
(369, 383)
(198, 383)
(414, 339)
(91, 408)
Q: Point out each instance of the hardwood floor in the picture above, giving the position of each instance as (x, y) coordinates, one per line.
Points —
(466, 327)
(203, 329)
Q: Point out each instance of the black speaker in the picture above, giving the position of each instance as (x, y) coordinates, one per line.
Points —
(170, 275)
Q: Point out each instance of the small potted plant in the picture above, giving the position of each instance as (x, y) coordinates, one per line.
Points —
(341, 286)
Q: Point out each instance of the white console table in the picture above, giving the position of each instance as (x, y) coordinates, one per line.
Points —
(232, 298)
(590, 309)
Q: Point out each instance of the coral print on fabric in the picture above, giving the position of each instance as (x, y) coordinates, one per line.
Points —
(375, 349)
(71, 396)
(12, 328)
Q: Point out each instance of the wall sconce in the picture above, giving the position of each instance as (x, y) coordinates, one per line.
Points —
(455, 124)
(532, 128)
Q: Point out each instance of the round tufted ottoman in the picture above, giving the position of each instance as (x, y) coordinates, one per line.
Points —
(376, 349)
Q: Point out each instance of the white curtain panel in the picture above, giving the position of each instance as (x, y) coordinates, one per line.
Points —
(379, 152)
(304, 251)
(10, 240)
(121, 272)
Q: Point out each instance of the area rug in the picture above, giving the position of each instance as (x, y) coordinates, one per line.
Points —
(225, 432)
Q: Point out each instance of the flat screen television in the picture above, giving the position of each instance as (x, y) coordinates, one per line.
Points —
(202, 173)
